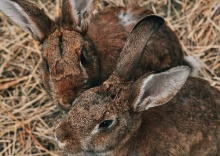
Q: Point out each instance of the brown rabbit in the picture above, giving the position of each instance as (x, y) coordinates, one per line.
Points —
(80, 50)
(162, 114)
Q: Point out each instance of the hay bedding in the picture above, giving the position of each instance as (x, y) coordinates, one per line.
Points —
(26, 111)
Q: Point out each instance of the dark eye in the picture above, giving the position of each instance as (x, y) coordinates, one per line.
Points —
(83, 57)
(105, 124)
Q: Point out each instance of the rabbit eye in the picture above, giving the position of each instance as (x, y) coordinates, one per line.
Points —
(105, 124)
(83, 57)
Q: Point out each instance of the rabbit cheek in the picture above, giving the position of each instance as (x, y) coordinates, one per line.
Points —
(66, 91)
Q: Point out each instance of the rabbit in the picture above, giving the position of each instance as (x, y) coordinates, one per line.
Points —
(80, 48)
(162, 113)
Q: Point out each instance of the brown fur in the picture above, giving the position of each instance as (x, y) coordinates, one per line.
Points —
(166, 113)
(189, 124)
(108, 38)
(163, 51)
(103, 38)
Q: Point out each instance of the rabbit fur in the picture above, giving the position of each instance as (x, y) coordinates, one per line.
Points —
(165, 113)
(81, 49)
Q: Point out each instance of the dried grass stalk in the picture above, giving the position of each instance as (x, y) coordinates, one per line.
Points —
(27, 113)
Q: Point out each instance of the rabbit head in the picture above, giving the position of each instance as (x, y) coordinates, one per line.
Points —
(105, 117)
(70, 63)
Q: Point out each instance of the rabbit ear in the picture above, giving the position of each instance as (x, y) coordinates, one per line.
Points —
(158, 89)
(27, 16)
(75, 12)
(134, 47)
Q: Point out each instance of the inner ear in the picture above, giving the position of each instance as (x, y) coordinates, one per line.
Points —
(75, 14)
(69, 18)
(158, 89)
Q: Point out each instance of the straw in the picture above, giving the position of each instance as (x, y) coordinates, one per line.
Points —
(27, 114)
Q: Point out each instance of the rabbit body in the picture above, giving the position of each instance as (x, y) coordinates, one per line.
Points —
(109, 30)
(165, 113)
(81, 52)
(189, 124)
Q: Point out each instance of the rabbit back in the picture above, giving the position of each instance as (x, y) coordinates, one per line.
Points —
(189, 124)
(109, 30)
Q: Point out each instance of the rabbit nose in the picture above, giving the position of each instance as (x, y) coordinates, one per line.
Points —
(62, 132)
(64, 104)
(60, 144)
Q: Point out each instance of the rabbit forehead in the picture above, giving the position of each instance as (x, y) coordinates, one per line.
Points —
(72, 39)
(61, 50)
(98, 104)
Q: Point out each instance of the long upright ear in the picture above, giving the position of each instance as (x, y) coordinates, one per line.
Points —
(158, 89)
(75, 13)
(134, 47)
(27, 16)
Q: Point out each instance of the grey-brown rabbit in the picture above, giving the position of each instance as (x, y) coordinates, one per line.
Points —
(162, 114)
(80, 50)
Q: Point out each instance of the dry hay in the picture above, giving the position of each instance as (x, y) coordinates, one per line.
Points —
(27, 112)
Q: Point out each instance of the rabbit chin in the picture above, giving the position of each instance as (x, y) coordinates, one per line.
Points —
(72, 152)
(60, 144)
(89, 154)
(68, 149)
